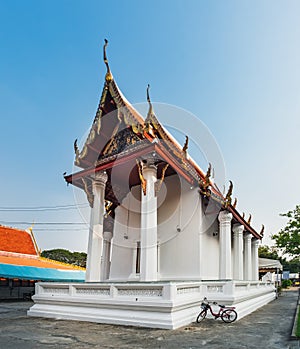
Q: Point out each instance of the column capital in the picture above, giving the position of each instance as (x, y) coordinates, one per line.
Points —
(107, 235)
(149, 165)
(100, 178)
(238, 229)
(225, 217)
(255, 242)
(247, 237)
(108, 224)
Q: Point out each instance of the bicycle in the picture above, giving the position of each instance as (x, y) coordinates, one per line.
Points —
(227, 314)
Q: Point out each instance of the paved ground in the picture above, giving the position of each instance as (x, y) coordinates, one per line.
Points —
(268, 327)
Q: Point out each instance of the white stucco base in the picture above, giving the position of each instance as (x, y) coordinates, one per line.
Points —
(167, 305)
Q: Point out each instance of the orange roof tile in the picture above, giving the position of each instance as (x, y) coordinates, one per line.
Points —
(15, 240)
(34, 262)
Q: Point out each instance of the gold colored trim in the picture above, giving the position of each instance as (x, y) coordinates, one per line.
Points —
(228, 195)
(89, 194)
(115, 131)
(108, 205)
(142, 179)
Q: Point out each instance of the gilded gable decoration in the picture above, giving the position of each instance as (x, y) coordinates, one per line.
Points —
(159, 183)
(88, 191)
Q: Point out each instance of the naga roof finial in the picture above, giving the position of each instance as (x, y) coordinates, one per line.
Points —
(186, 145)
(249, 219)
(228, 195)
(76, 150)
(108, 76)
(235, 203)
(206, 183)
(262, 230)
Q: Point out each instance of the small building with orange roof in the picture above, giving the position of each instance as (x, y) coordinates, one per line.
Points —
(21, 265)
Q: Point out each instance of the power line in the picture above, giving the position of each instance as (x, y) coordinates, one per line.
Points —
(55, 229)
(44, 223)
(43, 208)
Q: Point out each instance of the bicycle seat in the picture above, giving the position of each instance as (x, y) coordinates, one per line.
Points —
(222, 306)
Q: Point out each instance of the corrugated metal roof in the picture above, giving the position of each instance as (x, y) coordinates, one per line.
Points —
(266, 263)
(43, 274)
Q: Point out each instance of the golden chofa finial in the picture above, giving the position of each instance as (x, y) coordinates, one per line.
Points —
(249, 219)
(108, 76)
(150, 111)
(262, 230)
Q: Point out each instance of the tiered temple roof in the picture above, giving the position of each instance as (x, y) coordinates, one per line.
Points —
(119, 135)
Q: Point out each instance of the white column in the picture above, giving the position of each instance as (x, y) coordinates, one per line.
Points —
(247, 257)
(225, 245)
(93, 267)
(107, 236)
(238, 263)
(148, 266)
(254, 256)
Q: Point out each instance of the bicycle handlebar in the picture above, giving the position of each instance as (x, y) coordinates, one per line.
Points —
(205, 301)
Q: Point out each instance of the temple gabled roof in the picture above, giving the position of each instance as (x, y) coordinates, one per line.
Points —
(114, 113)
(120, 135)
(17, 241)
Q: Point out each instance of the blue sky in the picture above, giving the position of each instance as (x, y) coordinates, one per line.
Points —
(233, 64)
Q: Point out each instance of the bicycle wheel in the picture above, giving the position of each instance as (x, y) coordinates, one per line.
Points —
(229, 315)
(201, 316)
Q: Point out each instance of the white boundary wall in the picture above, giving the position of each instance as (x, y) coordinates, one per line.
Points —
(167, 305)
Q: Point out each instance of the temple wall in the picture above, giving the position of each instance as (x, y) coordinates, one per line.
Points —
(188, 241)
(125, 237)
(209, 248)
(178, 230)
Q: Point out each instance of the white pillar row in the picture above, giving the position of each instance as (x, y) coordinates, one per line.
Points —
(238, 263)
(225, 245)
(247, 257)
(95, 244)
(254, 256)
(105, 266)
(148, 265)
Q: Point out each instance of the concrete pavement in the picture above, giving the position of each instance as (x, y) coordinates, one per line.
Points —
(268, 327)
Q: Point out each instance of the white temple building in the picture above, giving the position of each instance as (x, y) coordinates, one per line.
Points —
(162, 236)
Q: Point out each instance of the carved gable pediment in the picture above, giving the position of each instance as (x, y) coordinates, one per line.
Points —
(124, 139)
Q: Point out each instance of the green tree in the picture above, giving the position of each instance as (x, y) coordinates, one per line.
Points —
(66, 256)
(271, 252)
(268, 252)
(288, 239)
